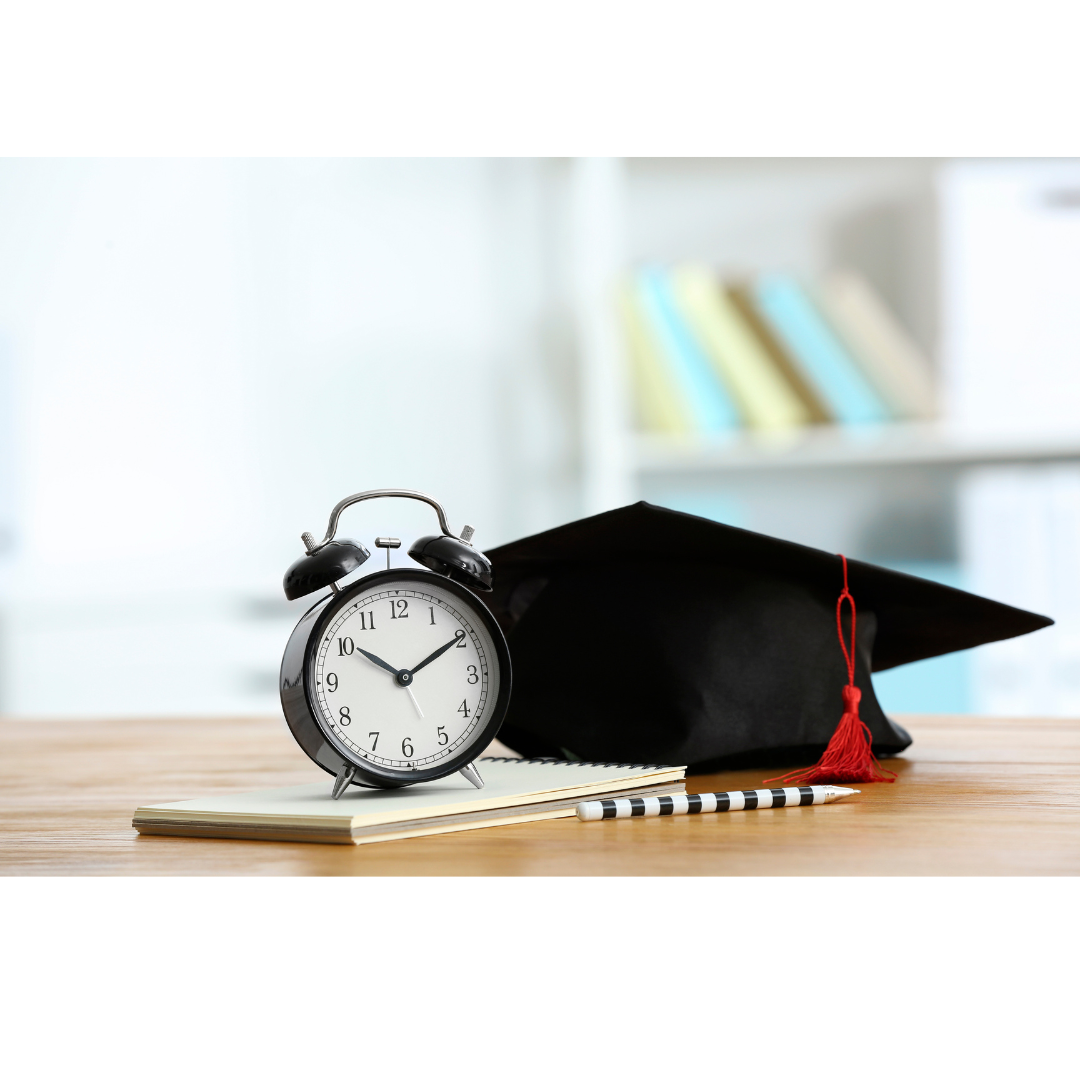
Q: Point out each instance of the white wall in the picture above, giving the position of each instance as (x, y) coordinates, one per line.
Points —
(1010, 256)
(207, 355)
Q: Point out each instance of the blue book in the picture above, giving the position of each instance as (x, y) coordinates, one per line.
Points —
(692, 371)
(832, 369)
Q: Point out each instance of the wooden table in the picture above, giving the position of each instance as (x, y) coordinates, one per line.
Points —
(975, 796)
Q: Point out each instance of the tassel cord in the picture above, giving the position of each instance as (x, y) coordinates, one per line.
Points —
(849, 757)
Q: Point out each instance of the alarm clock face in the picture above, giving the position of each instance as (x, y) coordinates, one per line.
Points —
(404, 675)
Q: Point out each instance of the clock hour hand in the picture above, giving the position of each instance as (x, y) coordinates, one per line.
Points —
(380, 663)
(438, 652)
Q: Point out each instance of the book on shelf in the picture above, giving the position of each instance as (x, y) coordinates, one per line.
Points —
(742, 297)
(823, 357)
(689, 367)
(764, 396)
(657, 401)
(891, 360)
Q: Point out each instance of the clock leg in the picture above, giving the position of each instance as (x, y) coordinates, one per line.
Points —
(344, 777)
(470, 774)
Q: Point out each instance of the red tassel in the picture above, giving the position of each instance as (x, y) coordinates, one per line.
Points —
(849, 757)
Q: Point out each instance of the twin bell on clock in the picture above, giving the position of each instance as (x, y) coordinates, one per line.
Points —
(403, 675)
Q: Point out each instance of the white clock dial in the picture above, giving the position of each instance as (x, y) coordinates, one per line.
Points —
(405, 676)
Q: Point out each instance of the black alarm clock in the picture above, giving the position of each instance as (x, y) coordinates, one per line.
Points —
(404, 675)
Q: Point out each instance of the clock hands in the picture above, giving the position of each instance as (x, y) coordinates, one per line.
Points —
(403, 676)
(438, 652)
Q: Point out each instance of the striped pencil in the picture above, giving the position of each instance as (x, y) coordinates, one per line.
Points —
(714, 802)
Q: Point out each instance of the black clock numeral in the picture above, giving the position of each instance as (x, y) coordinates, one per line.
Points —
(331, 682)
(345, 646)
(460, 635)
(343, 716)
(463, 708)
(374, 734)
(431, 611)
(473, 678)
(367, 620)
(443, 737)
(399, 609)
(407, 748)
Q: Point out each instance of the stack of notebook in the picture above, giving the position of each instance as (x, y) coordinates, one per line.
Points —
(515, 790)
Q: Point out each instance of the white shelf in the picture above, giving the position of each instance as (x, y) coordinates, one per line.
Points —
(839, 448)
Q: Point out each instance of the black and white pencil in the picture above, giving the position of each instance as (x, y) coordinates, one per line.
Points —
(713, 802)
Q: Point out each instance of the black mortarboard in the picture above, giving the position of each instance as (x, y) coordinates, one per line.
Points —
(648, 635)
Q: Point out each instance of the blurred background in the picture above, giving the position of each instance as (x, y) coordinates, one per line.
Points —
(198, 358)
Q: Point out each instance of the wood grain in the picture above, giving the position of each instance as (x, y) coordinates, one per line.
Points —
(975, 796)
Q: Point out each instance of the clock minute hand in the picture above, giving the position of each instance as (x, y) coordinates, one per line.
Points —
(375, 660)
(438, 652)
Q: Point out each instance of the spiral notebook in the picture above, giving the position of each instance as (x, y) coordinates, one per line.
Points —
(515, 790)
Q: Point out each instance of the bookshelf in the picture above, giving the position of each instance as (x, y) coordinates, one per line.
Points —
(838, 448)
(884, 493)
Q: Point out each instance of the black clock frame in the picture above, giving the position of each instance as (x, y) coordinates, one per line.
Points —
(297, 684)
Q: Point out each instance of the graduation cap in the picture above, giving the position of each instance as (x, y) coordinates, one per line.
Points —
(648, 635)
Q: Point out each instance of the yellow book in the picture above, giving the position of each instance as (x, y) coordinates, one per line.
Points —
(742, 298)
(657, 401)
(763, 395)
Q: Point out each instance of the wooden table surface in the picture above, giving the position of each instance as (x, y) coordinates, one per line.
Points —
(974, 796)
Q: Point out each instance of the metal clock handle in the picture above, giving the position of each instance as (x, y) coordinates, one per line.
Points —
(381, 493)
